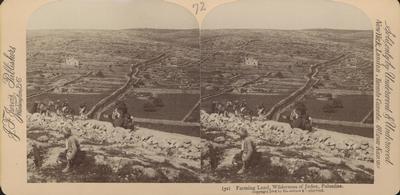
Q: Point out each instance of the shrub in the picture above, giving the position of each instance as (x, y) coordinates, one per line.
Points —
(99, 74)
(337, 103)
(328, 108)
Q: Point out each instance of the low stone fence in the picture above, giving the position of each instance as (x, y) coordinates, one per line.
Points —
(277, 133)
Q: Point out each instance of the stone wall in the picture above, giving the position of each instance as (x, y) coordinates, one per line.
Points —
(112, 154)
(281, 134)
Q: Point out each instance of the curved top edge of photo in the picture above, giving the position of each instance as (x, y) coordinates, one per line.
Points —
(286, 15)
(111, 15)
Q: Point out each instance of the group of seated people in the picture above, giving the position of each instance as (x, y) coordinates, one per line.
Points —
(55, 108)
(229, 108)
(298, 118)
(119, 117)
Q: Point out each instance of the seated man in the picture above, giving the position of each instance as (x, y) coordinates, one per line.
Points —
(248, 153)
(220, 109)
(50, 108)
(35, 107)
(228, 109)
(300, 119)
(72, 151)
(42, 109)
(82, 111)
(260, 110)
(128, 122)
(58, 107)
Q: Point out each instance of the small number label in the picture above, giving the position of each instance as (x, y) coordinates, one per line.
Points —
(199, 7)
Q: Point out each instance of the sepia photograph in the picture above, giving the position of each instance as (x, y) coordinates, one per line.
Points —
(199, 97)
(113, 92)
(287, 93)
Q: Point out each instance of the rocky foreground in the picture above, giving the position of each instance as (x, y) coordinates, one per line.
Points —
(111, 154)
(287, 155)
(145, 155)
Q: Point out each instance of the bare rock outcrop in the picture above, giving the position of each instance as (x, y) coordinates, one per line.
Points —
(112, 154)
(288, 154)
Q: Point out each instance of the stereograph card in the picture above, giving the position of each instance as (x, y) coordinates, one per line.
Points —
(200, 97)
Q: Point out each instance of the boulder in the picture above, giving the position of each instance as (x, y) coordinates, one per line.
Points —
(364, 146)
(100, 160)
(326, 175)
(150, 173)
(52, 157)
(333, 160)
(314, 169)
(137, 169)
(170, 173)
(276, 161)
(347, 176)
(43, 138)
(219, 139)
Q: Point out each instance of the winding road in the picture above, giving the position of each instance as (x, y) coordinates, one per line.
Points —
(98, 109)
(275, 112)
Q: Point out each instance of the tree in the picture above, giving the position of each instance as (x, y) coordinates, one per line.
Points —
(337, 103)
(329, 96)
(326, 77)
(278, 75)
(149, 106)
(99, 74)
(328, 108)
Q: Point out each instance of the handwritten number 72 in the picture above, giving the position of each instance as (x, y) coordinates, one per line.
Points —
(199, 7)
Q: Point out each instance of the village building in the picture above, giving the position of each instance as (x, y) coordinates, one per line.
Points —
(171, 62)
(250, 61)
(72, 62)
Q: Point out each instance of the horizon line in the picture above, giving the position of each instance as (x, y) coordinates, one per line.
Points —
(146, 28)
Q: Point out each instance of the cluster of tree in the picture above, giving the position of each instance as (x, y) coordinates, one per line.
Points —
(332, 105)
(153, 103)
(99, 74)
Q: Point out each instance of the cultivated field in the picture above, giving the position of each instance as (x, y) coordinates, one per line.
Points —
(325, 62)
(289, 53)
(103, 61)
(108, 54)
(311, 66)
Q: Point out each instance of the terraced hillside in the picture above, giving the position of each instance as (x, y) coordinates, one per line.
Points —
(108, 55)
(288, 54)
(312, 66)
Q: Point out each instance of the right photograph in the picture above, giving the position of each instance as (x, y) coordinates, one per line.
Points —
(287, 93)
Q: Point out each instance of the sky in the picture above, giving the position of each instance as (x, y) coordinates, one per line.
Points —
(258, 14)
(111, 14)
(287, 14)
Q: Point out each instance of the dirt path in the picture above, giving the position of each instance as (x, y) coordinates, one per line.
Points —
(232, 88)
(104, 104)
(63, 85)
(364, 120)
(275, 112)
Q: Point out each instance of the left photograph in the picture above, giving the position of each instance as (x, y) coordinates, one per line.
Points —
(113, 92)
